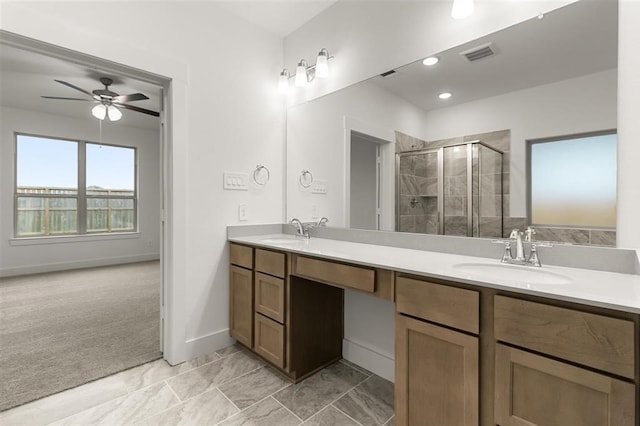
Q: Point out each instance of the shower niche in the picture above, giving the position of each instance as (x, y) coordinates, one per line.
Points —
(452, 190)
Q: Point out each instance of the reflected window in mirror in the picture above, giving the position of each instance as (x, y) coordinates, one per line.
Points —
(573, 181)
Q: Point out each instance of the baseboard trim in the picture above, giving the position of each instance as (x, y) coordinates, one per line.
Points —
(370, 358)
(208, 343)
(78, 264)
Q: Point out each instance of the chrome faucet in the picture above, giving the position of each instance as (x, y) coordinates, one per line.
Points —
(301, 230)
(322, 222)
(521, 259)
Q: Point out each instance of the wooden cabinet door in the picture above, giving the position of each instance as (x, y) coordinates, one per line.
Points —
(241, 304)
(269, 296)
(269, 340)
(436, 375)
(534, 390)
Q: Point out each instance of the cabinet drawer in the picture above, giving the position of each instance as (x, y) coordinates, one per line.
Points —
(349, 276)
(270, 262)
(593, 340)
(450, 306)
(269, 340)
(269, 296)
(534, 390)
(241, 255)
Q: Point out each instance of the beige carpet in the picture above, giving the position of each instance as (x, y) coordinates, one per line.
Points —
(62, 329)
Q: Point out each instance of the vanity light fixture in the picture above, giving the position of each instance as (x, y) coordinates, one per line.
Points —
(302, 77)
(430, 61)
(461, 9)
(283, 82)
(306, 73)
(322, 64)
(445, 95)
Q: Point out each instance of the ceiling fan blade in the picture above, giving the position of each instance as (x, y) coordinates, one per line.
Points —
(75, 87)
(131, 97)
(69, 99)
(138, 109)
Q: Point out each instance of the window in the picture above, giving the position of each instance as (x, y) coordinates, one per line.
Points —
(573, 181)
(66, 187)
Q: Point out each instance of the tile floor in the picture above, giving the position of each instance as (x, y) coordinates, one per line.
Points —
(228, 387)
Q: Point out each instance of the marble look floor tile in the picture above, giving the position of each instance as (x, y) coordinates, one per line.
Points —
(64, 404)
(330, 416)
(391, 422)
(209, 376)
(254, 386)
(267, 412)
(229, 350)
(208, 408)
(202, 360)
(128, 409)
(369, 403)
(356, 367)
(150, 373)
(308, 397)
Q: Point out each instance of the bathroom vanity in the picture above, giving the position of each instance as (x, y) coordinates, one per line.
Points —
(471, 347)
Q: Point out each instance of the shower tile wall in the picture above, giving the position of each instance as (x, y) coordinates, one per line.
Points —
(455, 191)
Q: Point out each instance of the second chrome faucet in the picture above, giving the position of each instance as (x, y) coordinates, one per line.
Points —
(302, 228)
(520, 257)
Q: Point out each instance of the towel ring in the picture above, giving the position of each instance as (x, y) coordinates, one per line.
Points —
(305, 179)
(257, 172)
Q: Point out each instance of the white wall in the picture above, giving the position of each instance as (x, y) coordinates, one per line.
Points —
(368, 38)
(577, 105)
(17, 258)
(226, 116)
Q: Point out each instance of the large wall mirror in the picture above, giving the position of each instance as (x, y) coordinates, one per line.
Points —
(367, 156)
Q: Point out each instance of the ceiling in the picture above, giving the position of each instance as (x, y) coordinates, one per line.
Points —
(25, 76)
(575, 40)
(278, 17)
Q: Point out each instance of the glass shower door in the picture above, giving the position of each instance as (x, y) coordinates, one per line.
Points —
(418, 186)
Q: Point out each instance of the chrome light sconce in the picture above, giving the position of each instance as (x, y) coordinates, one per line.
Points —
(305, 73)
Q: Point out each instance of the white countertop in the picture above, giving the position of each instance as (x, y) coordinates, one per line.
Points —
(584, 286)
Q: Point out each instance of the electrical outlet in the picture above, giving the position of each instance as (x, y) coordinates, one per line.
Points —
(243, 212)
(314, 212)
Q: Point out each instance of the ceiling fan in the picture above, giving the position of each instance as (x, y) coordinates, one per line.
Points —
(108, 102)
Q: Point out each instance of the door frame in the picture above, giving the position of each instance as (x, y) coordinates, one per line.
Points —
(172, 78)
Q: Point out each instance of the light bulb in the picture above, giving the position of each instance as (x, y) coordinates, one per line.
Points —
(430, 61)
(99, 111)
(114, 113)
(461, 9)
(283, 82)
(322, 64)
(445, 95)
(301, 74)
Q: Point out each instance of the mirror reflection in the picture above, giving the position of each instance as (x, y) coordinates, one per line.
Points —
(390, 154)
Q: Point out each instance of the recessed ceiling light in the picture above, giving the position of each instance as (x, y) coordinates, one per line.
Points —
(445, 95)
(430, 61)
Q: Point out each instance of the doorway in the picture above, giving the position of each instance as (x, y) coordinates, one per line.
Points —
(46, 249)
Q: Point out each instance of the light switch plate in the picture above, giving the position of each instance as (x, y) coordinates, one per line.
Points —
(319, 186)
(236, 181)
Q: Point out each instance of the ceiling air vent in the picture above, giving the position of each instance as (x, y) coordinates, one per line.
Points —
(388, 74)
(479, 52)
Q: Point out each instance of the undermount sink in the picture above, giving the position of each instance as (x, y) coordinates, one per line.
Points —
(281, 240)
(519, 274)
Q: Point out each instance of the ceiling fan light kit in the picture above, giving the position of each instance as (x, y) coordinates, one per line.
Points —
(108, 102)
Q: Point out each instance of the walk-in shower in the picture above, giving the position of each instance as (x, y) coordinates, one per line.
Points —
(452, 190)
